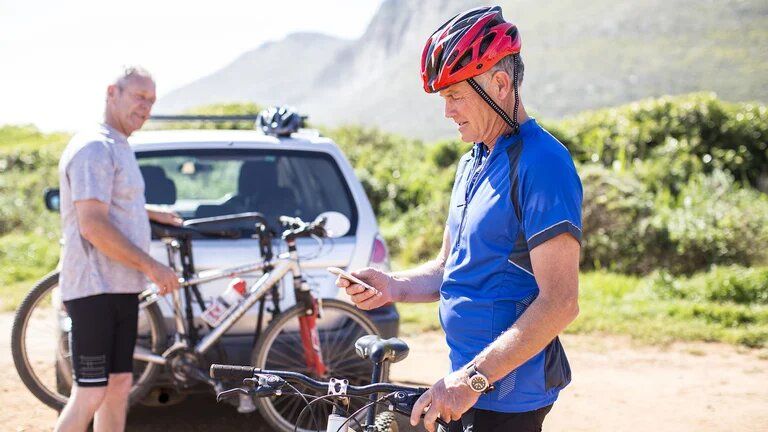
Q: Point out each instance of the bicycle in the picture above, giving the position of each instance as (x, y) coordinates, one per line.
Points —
(312, 336)
(262, 383)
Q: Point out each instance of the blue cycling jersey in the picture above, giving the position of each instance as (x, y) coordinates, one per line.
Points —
(504, 204)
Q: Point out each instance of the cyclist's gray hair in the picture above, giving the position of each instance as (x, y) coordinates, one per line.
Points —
(507, 64)
(129, 72)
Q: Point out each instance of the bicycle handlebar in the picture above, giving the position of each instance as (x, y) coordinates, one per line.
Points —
(401, 398)
(232, 372)
(244, 372)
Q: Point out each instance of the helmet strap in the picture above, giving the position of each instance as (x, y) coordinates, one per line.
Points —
(512, 122)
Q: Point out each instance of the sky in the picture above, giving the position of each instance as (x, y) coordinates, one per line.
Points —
(57, 57)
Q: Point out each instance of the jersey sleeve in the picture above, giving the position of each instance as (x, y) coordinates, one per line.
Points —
(91, 173)
(550, 199)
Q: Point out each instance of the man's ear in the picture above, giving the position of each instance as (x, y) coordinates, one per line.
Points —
(112, 91)
(502, 84)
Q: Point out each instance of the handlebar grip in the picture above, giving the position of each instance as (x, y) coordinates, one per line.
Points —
(231, 372)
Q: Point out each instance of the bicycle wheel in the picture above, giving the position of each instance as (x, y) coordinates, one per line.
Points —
(280, 348)
(40, 345)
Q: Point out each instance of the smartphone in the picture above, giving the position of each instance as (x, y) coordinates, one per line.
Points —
(339, 272)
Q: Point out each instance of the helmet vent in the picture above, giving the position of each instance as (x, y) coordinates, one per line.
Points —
(463, 61)
(486, 42)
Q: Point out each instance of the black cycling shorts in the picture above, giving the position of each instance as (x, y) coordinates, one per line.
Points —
(491, 421)
(103, 336)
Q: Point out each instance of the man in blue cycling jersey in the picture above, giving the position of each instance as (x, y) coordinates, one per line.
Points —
(507, 274)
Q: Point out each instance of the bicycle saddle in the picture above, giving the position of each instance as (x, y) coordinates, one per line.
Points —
(379, 350)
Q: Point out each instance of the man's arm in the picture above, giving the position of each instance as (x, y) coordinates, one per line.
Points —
(556, 268)
(417, 285)
(97, 229)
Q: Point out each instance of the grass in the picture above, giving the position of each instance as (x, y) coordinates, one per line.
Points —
(418, 317)
(619, 304)
(24, 258)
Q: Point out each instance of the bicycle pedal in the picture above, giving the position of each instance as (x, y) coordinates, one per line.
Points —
(246, 404)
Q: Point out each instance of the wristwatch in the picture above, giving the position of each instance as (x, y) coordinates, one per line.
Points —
(478, 382)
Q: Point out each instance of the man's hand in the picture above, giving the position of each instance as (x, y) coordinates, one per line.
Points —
(162, 276)
(448, 398)
(366, 299)
(164, 216)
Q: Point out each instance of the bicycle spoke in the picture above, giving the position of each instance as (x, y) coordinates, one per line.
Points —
(339, 328)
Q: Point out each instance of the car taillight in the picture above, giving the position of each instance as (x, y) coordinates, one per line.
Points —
(379, 254)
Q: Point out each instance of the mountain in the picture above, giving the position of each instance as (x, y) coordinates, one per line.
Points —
(275, 73)
(578, 55)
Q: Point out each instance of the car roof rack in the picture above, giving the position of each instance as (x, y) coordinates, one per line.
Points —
(303, 132)
(210, 118)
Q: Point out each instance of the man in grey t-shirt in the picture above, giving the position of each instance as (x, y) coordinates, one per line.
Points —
(105, 260)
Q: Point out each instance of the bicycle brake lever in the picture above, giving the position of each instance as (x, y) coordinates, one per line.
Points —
(230, 394)
(402, 403)
(236, 392)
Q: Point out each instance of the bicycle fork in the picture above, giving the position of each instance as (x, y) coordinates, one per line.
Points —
(310, 336)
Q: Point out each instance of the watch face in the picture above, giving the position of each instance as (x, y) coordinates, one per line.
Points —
(478, 383)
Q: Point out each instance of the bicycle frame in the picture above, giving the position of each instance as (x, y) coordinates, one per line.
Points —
(273, 273)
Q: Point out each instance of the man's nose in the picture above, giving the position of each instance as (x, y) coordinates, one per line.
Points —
(448, 111)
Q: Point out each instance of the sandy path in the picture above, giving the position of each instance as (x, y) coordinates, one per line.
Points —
(621, 386)
(617, 386)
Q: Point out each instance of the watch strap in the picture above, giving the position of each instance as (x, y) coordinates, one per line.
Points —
(472, 371)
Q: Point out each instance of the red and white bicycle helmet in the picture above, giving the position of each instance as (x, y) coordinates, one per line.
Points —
(466, 46)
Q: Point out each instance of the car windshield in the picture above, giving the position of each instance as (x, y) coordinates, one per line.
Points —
(203, 183)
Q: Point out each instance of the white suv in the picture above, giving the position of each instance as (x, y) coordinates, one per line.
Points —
(203, 173)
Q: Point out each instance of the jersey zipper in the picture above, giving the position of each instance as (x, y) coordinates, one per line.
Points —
(477, 168)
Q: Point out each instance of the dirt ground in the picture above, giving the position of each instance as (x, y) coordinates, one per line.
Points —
(617, 386)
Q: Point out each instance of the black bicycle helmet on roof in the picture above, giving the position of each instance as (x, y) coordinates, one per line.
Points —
(279, 121)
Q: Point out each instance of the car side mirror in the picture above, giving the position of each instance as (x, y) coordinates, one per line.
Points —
(52, 199)
(336, 224)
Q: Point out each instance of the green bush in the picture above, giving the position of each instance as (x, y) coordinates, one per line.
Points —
(734, 284)
(417, 235)
(614, 208)
(27, 256)
(732, 137)
(408, 183)
(712, 221)
(28, 164)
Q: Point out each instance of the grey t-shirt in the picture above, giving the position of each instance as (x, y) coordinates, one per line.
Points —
(99, 164)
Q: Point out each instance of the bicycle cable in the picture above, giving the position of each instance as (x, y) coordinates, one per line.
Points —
(308, 405)
(321, 242)
(326, 398)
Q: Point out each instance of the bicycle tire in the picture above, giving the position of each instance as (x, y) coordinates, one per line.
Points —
(56, 395)
(280, 348)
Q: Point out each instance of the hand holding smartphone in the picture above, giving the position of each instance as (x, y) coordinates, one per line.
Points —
(339, 272)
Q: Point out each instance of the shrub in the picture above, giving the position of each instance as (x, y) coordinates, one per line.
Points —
(734, 284)
(731, 137)
(712, 221)
(615, 206)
